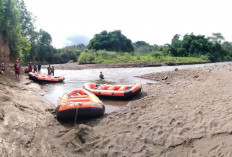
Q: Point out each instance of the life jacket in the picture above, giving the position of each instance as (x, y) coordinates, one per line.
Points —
(101, 76)
(17, 66)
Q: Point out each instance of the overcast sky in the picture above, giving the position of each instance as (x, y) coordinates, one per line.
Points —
(153, 21)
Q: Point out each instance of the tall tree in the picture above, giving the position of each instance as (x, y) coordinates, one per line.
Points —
(11, 27)
(217, 37)
(112, 41)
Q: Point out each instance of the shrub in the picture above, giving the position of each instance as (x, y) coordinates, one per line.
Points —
(157, 54)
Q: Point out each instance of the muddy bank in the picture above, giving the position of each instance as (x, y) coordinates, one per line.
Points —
(76, 66)
(187, 113)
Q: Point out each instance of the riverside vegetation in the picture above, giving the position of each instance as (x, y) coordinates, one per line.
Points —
(18, 31)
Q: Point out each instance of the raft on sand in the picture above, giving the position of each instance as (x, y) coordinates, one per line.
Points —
(114, 91)
(45, 78)
(79, 103)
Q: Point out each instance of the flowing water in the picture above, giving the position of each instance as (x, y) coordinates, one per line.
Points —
(77, 78)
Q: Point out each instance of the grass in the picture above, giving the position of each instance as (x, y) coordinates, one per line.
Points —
(106, 57)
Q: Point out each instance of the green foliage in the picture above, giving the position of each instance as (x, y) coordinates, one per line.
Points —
(69, 53)
(112, 41)
(107, 57)
(142, 46)
(11, 27)
(86, 58)
(157, 54)
(197, 46)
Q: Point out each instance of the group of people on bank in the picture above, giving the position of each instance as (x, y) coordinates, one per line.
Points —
(32, 68)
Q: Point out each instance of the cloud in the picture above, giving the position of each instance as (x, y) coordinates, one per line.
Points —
(76, 39)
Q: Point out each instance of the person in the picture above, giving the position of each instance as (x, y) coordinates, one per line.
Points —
(29, 67)
(49, 70)
(101, 76)
(17, 69)
(2, 68)
(35, 68)
(52, 70)
(39, 67)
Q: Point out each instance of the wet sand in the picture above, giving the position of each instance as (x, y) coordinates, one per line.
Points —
(187, 113)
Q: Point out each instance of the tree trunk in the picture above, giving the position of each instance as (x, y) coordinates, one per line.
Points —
(4, 49)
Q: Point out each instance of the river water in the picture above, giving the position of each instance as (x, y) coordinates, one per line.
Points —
(77, 78)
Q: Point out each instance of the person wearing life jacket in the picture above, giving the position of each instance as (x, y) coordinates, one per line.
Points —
(39, 67)
(35, 68)
(101, 76)
(52, 70)
(49, 70)
(17, 67)
(2, 68)
(29, 67)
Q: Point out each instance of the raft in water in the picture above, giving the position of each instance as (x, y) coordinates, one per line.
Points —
(79, 104)
(114, 91)
(45, 78)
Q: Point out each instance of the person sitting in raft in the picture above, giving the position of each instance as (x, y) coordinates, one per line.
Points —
(101, 76)
(49, 70)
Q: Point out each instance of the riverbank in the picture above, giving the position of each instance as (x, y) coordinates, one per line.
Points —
(76, 66)
(187, 113)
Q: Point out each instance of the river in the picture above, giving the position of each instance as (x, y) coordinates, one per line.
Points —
(77, 78)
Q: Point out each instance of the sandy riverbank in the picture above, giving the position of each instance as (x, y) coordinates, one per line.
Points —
(188, 113)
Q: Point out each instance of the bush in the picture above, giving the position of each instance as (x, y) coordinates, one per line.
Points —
(157, 54)
(86, 58)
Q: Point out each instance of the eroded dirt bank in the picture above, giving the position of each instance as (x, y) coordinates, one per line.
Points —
(188, 113)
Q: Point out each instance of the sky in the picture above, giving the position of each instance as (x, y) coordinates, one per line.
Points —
(72, 22)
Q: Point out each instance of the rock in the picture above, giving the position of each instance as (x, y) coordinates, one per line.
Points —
(165, 78)
(1, 114)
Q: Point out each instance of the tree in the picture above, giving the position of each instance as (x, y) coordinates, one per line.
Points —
(112, 41)
(217, 37)
(45, 49)
(11, 27)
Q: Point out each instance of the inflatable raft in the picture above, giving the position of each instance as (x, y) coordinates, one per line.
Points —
(45, 78)
(114, 91)
(79, 103)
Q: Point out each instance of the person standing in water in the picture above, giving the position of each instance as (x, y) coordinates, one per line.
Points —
(101, 76)
(39, 67)
(49, 70)
(52, 70)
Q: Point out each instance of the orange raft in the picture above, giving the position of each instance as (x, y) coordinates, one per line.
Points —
(45, 78)
(79, 103)
(114, 91)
